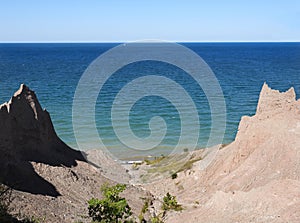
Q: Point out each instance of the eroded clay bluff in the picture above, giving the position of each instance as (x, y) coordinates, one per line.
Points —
(256, 178)
(49, 179)
(27, 135)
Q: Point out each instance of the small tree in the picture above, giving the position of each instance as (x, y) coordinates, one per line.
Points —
(112, 208)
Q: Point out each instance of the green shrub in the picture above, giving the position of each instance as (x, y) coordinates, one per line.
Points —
(174, 176)
(112, 208)
(170, 203)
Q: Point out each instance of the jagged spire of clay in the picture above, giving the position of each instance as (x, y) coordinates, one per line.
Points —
(257, 174)
(264, 143)
(24, 93)
(27, 134)
(274, 101)
(23, 119)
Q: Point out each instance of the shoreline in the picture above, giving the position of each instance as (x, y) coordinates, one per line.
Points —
(142, 158)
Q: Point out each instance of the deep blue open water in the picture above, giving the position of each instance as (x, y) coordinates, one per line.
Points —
(53, 71)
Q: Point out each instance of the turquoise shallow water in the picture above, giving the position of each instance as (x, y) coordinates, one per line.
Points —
(53, 71)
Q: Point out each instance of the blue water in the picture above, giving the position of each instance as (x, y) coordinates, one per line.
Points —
(53, 71)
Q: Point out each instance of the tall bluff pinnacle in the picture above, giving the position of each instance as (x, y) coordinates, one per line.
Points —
(27, 135)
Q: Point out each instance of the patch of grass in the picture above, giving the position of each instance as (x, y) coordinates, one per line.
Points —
(178, 165)
(154, 161)
(135, 166)
(169, 165)
(189, 164)
(156, 219)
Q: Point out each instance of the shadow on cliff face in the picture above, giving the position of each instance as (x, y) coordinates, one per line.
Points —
(27, 135)
(22, 176)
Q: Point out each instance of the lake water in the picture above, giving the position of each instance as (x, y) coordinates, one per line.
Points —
(53, 71)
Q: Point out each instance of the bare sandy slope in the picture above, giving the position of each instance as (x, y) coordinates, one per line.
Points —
(76, 186)
(254, 179)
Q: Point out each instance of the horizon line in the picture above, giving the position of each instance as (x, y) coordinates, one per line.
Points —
(184, 41)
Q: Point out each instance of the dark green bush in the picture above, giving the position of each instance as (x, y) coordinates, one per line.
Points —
(174, 176)
(112, 208)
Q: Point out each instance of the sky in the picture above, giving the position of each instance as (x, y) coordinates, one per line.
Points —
(132, 20)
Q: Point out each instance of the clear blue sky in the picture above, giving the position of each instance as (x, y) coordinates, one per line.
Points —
(129, 20)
